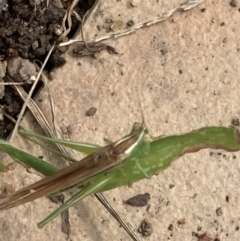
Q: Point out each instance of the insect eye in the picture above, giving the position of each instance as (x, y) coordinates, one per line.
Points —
(100, 157)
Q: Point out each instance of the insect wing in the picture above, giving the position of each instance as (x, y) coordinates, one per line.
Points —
(65, 178)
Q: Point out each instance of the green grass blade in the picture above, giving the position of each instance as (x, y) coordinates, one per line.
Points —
(78, 146)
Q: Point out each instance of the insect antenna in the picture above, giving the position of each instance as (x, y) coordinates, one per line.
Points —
(143, 121)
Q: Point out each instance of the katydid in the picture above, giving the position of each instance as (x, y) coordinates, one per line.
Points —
(152, 157)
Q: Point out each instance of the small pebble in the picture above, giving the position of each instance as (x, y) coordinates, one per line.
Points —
(91, 112)
(21, 70)
(219, 211)
(145, 228)
(139, 200)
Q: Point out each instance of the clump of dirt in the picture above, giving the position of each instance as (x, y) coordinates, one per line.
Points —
(28, 29)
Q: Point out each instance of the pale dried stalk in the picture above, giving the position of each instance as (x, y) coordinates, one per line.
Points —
(68, 17)
(29, 95)
(190, 4)
(13, 83)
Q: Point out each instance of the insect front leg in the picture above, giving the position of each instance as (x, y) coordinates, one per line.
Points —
(130, 171)
(142, 170)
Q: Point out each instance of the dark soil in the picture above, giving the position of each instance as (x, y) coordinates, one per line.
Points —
(27, 32)
(28, 29)
(12, 104)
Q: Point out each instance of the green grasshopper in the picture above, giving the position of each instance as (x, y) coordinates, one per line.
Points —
(97, 162)
(108, 167)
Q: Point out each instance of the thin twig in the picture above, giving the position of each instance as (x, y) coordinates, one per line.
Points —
(190, 4)
(126, 226)
(8, 116)
(52, 107)
(30, 95)
(13, 83)
(68, 17)
(83, 22)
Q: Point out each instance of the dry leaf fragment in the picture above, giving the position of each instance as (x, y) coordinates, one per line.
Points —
(117, 26)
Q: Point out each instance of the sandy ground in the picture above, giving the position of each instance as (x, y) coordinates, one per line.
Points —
(186, 70)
